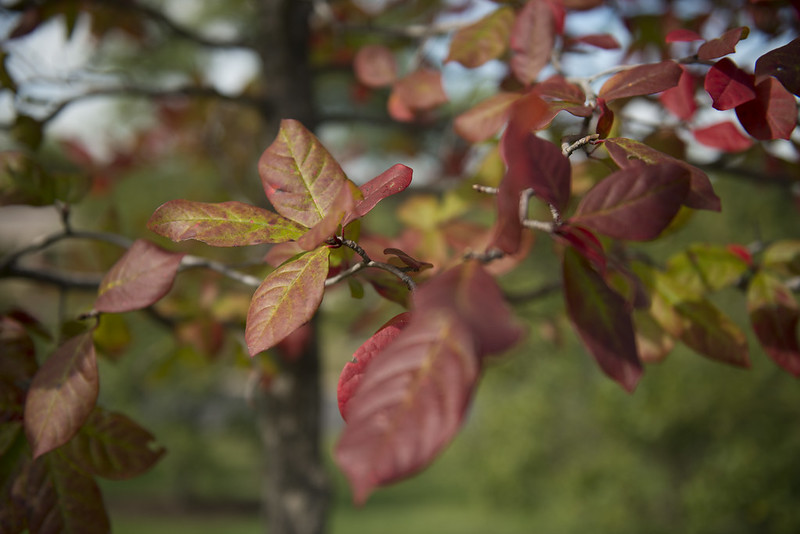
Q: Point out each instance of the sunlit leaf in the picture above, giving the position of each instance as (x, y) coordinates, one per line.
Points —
(728, 85)
(680, 99)
(421, 90)
(723, 136)
(601, 318)
(701, 194)
(783, 257)
(487, 39)
(774, 315)
(300, 177)
(484, 120)
(287, 298)
(782, 64)
(223, 224)
(532, 39)
(410, 403)
(704, 268)
(723, 45)
(653, 342)
(391, 181)
(142, 276)
(375, 66)
(354, 370)
(62, 395)
(772, 114)
(111, 445)
(63, 499)
(641, 80)
(635, 203)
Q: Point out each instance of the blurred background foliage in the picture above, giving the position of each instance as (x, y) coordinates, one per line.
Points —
(551, 445)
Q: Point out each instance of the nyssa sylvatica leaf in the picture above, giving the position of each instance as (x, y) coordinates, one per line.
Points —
(774, 315)
(584, 242)
(532, 38)
(111, 445)
(62, 395)
(486, 39)
(772, 114)
(287, 298)
(421, 90)
(485, 119)
(625, 152)
(354, 370)
(602, 319)
(605, 121)
(723, 136)
(343, 203)
(404, 260)
(680, 99)
(723, 45)
(782, 64)
(391, 181)
(300, 177)
(704, 268)
(410, 402)
(605, 41)
(641, 80)
(142, 276)
(375, 66)
(728, 85)
(474, 296)
(63, 498)
(636, 203)
(223, 224)
(682, 35)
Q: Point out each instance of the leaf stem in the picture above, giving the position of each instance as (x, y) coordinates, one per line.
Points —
(366, 262)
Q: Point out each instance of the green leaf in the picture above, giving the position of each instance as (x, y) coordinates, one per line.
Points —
(224, 224)
(62, 395)
(774, 315)
(705, 268)
(287, 298)
(601, 318)
(300, 177)
(112, 446)
(783, 257)
(63, 500)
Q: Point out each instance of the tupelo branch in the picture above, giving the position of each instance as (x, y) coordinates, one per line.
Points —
(366, 262)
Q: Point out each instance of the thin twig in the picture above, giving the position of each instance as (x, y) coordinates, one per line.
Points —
(193, 262)
(366, 262)
(567, 149)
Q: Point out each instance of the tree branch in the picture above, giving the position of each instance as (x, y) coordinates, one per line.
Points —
(365, 263)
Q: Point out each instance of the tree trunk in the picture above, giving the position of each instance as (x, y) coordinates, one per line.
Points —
(295, 486)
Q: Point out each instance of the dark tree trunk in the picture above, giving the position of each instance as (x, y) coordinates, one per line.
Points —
(295, 488)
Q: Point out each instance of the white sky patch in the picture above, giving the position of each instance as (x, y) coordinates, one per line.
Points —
(229, 71)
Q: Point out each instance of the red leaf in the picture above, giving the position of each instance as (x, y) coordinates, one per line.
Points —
(404, 260)
(300, 177)
(602, 320)
(421, 90)
(482, 41)
(680, 99)
(681, 35)
(723, 45)
(772, 114)
(729, 85)
(224, 224)
(723, 136)
(600, 40)
(606, 119)
(62, 395)
(62, 498)
(410, 403)
(585, 243)
(641, 80)
(288, 297)
(774, 316)
(342, 204)
(375, 66)
(532, 39)
(354, 371)
(472, 294)
(636, 203)
(142, 276)
(782, 64)
(391, 181)
(531, 112)
(112, 446)
(626, 152)
(399, 110)
(486, 118)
